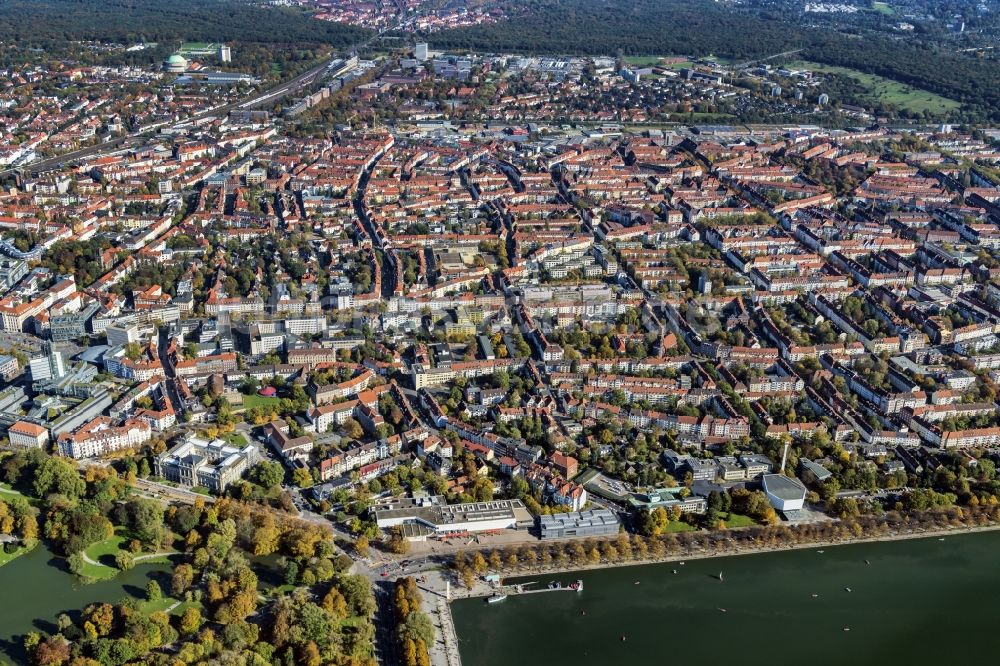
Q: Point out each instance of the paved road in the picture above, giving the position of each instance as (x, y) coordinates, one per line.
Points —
(168, 370)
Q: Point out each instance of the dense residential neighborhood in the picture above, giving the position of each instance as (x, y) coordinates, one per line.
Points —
(390, 320)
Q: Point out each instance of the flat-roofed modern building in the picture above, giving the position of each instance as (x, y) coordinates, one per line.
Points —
(426, 516)
(784, 493)
(589, 523)
(198, 462)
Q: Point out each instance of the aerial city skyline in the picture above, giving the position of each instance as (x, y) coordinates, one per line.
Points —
(487, 332)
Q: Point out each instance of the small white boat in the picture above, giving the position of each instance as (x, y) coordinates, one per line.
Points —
(847, 589)
(847, 628)
(496, 598)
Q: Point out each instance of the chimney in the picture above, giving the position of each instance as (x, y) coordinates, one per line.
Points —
(784, 457)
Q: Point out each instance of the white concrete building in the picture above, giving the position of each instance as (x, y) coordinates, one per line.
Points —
(784, 493)
(25, 435)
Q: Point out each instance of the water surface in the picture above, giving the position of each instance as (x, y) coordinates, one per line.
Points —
(36, 588)
(918, 602)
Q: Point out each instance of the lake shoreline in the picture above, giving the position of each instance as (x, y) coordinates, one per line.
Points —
(877, 591)
(481, 589)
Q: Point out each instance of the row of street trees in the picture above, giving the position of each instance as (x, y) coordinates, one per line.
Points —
(468, 565)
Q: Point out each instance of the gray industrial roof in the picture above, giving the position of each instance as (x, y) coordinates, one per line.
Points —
(783, 487)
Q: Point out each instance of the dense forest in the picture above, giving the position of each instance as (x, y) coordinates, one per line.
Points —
(38, 22)
(703, 27)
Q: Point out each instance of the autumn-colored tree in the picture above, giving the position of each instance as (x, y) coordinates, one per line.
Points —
(53, 651)
(101, 617)
(409, 652)
(423, 659)
(266, 537)
(468, 578)
(310, 656)
(242, 605)
(181, 580)
(190, 621)
(335, 604)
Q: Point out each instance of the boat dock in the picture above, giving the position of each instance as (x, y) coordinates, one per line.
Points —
(521, 588)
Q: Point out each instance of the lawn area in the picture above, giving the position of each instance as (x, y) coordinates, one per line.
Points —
(236, 438)
(881, 89)
(7, 557)
(642, 61)
(883, 8)
(162, 604)
(159, 559)
(255, 400)
(97, 572)
(105, 551)
(737, 520)
(184, 605)
(8, 489)
(279, 590)
(678, 526)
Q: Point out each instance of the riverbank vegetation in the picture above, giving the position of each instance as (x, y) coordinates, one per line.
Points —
(467, 565)
(18, 526)
(247, 585)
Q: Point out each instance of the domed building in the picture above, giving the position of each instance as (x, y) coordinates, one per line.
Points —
(175, 64)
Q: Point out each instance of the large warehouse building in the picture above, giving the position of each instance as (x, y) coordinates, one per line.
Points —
(589, 523)
(430, 516)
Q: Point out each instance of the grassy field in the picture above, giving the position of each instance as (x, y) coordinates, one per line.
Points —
(255, 400)
(737, 520)
(6, 489)
(678, 526)
(236, 438)
(650, 61)
(92, 572)
(642, 61)
(881, 89)
(105, 551)
(883, 8)
(7, 557)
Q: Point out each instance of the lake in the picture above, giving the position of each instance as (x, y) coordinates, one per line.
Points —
(918, 602)
(36, 588)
